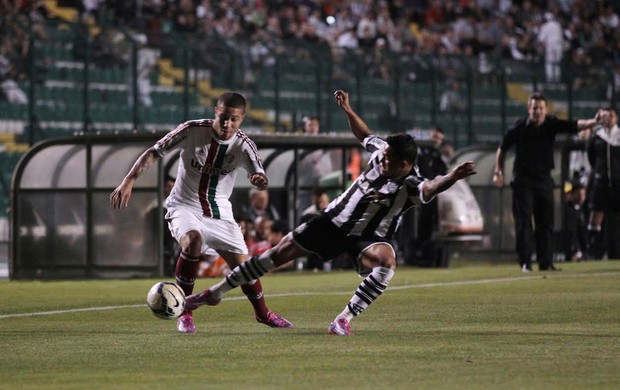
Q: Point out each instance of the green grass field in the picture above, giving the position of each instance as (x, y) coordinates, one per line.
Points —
(469, 327)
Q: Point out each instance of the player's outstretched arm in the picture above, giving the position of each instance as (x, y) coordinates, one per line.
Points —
(120, 196)
(358, 127)
(442, 183)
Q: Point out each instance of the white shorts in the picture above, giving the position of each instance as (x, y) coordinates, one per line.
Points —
(217, 234)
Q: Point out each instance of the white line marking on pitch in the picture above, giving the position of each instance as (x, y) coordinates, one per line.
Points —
(424, 285)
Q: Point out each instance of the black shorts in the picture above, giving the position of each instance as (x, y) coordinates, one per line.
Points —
(321, 236)
(605, 199)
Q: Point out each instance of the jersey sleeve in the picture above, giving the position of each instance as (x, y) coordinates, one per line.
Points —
(562, 125)
(372, 143)
(252, 161)
(510, 136)
(173, 139)
(415, 185)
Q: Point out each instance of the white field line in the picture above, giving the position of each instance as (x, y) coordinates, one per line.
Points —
(299, 294)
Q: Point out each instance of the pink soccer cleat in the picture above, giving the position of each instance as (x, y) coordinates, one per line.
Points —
(206, 297)
(340, 327)
(275, 321)
(185, 324)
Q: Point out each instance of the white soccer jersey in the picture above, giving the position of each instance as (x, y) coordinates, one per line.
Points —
(208, 167)
(373, 204)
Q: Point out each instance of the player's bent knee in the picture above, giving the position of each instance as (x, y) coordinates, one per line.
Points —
(191, 242)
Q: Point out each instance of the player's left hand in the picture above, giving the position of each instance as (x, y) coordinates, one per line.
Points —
(465, 169)
(119, 198)
(259, 180)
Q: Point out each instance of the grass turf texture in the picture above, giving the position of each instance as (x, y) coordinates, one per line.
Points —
(475, 327)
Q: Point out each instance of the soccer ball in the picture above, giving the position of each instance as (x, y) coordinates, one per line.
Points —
(166, 300)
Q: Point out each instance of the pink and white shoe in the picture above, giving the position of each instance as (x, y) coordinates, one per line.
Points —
(275, 321)
(340, 326)
(185, 324)
(206, 297)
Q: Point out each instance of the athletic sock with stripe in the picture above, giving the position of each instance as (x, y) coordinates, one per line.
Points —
(254, 292)
(368, 291)
(185, 273)
(244, 273)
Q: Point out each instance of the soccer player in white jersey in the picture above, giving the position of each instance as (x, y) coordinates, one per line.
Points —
(199, 212)
(360, 222)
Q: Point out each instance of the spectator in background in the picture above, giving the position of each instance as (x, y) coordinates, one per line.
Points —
(261, 236)
(147, 61)
(451, 101)
(312, 125)
(8, 84)
(316, 163)
(277, 231)
(551, 37)
(367, 31)
(447, 151)
(248, 229)
(185, 18)
(320, 200)
(260, 207)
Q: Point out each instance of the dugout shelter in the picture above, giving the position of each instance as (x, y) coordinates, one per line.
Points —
(62, 225)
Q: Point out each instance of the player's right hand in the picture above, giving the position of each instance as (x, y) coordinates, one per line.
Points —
(120, 196)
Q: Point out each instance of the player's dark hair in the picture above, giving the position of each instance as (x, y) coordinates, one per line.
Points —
(537, 96)
(232, 99)
(403, 146)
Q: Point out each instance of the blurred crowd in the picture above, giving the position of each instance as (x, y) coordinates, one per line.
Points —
(18, 19)
(581, 33)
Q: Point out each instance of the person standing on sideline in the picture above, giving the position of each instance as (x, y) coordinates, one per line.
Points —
(360, 222)
(532, 186)
(603, 152)
(199, 212)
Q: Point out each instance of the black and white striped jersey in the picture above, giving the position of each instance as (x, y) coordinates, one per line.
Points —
(604, 156)
(373, 204)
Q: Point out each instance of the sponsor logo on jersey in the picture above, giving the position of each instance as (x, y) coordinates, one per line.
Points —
(208, 168)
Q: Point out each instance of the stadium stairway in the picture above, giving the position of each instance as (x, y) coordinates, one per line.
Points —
(171, 75)
(65, 13)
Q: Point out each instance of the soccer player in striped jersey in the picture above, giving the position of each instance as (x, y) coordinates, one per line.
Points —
(199, 212)
(361, 222)
(604, 188)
